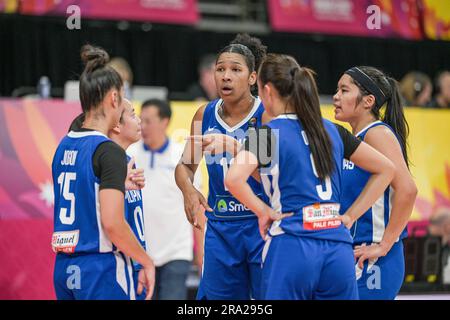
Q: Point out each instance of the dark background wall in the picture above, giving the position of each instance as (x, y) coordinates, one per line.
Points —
(33, 46)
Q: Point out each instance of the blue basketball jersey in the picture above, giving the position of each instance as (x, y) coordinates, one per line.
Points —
(225, 205)
(134, 212)
(369, 228)
(77, 224)
(293, 186)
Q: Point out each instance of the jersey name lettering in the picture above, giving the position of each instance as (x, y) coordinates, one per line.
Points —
(70, 156)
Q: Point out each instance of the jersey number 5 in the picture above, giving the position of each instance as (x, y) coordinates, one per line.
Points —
(323, 194)
(64, 189)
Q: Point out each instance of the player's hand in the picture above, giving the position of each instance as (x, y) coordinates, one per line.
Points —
(194, 205)
(135, 177)
(216, 143)
(364, 252)
(347, 221)
(146, 279)
(266, 219)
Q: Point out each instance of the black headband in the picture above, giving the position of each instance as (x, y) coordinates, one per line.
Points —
(364, 80)
(245, 51)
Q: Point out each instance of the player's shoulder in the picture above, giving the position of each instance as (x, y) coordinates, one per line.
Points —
(379, 132)
(204, 109)
(109, 148)
(209, 106)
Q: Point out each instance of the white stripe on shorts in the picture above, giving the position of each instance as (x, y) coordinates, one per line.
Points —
(121, 275)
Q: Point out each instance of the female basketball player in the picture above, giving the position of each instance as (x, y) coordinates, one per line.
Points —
(89, 172)
(361, 95)
(127, 132)
(308, 255)
(232, 249)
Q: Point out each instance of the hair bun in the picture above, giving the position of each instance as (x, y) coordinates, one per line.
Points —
(93, 57)
(254, 44)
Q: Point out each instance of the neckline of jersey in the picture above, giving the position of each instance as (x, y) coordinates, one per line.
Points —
(290, 116)
(367, 127)
(247, 118)
(82, 134)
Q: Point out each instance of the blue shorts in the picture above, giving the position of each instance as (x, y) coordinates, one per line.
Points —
(94, 276)
(231, 261)
(301, 268)
(382, 278)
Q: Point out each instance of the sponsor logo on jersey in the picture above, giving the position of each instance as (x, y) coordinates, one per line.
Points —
(252, 122)
(222, 206)
(65, 241)
(321, 216)
(231, 206)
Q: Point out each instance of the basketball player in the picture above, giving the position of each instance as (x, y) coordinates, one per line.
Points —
(93, 241)
(232, 247)
(127, 132)
(362, 94)
(308, 254)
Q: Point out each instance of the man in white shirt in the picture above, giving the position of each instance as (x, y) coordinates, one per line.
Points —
(168, 234)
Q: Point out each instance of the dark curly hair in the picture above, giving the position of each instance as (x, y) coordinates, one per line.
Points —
(251, 48)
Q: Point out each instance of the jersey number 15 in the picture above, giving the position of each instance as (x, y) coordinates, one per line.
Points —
(64, 190)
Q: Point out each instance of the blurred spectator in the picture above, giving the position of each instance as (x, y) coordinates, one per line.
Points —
(168, 234)
(205, 88)
(440, 227)
(442, 88)
(416, 88)
(123, 68)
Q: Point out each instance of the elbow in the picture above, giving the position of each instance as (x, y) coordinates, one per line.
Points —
(111, 228)
(232, 182)
(411, 191)
(390, 171)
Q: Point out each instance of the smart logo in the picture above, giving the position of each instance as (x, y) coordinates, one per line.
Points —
(222, 206)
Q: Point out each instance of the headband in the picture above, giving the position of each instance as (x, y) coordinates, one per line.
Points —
(246, 50)
(367, 83)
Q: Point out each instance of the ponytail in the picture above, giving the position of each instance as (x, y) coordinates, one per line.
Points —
(298, 86)
(394, 116)
(305, 99)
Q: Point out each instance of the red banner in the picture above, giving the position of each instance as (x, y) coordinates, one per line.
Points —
(30, 131)
(378, 18)
(162, 11)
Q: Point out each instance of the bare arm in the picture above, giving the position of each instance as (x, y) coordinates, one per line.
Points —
(194, 202)
(191, 157)
(244, 165)
(405, 190)
(119, 232)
